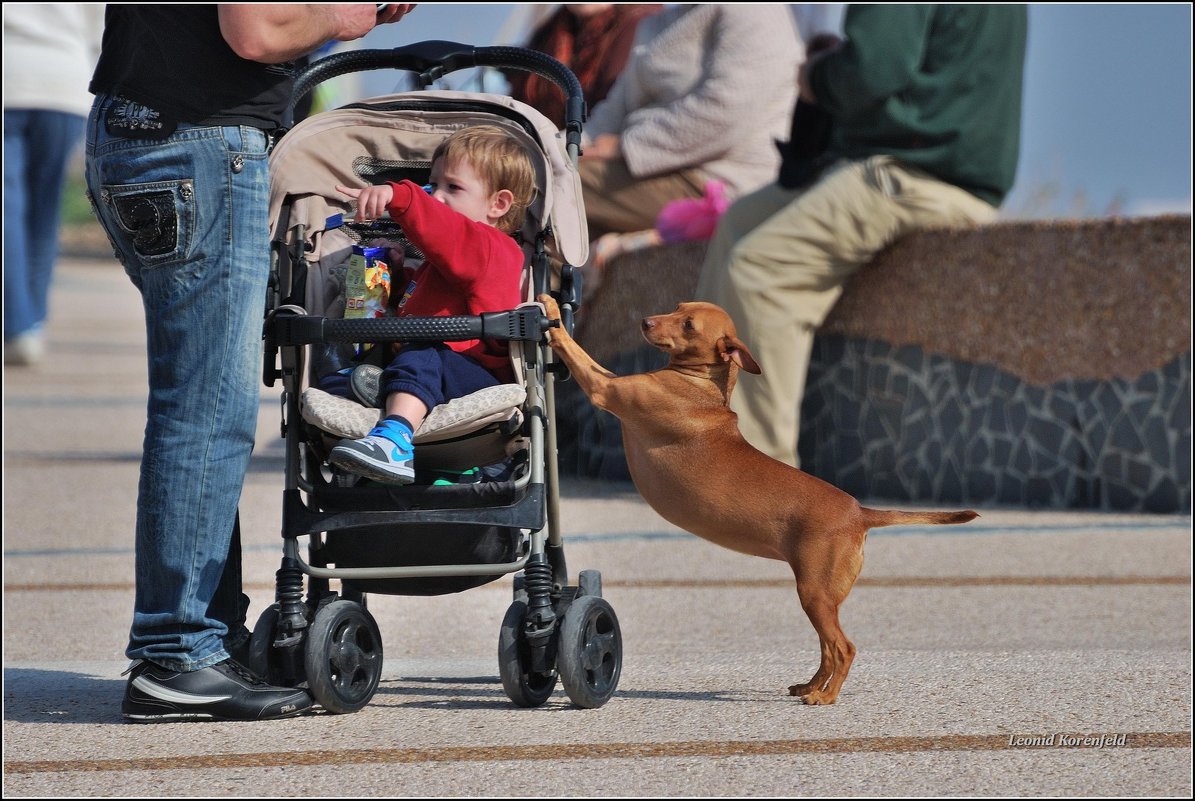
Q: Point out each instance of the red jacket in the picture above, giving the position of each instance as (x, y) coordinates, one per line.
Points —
(471, 268)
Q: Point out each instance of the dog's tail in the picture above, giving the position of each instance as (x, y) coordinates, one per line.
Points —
(878, 518)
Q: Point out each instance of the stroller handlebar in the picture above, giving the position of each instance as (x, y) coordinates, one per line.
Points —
(526, 324)
(435, 59)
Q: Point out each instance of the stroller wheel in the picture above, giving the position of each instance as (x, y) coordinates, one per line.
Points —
(343, 657)
(590, 655)
(524, 686)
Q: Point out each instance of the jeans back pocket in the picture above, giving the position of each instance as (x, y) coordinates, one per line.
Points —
(150, 222)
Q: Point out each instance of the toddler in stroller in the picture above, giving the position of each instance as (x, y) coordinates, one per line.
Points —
(421, 537)
(482, 180)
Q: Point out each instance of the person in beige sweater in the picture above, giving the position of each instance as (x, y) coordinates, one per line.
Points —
(708, 91)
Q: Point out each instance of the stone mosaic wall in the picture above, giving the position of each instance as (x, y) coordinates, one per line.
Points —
(897, 423)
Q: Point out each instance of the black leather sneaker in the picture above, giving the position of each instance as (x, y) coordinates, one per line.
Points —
(366, 383)
(224, 691)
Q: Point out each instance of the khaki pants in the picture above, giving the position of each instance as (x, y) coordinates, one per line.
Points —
(618, 202)
(780, 257)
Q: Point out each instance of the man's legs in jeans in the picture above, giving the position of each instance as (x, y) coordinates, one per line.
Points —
(188, 217)
(779, 278)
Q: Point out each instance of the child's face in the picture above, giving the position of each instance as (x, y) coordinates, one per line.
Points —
(459, 187)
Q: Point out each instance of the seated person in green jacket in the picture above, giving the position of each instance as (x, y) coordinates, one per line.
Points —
(923, 104)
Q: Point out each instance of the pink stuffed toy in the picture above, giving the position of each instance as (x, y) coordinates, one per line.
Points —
(693, 218)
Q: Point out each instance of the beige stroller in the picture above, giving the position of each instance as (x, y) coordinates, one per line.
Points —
(428, 538)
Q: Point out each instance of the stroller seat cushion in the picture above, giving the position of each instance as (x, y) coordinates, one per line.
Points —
(338, 416)
(348, 419)
(462, 415)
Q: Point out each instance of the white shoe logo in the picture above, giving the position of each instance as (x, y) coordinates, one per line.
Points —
(156, 690)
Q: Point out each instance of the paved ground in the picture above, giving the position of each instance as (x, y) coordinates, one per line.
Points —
(986, 652)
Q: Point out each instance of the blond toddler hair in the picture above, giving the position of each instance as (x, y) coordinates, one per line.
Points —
(498, 159)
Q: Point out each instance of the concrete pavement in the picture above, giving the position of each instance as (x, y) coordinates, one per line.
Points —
(992, 657)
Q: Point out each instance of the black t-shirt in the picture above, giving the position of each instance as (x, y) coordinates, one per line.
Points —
(174, 59)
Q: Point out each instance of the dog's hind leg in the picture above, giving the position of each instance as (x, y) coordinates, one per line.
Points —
(819, 679)
(838, 653)
(822, 593)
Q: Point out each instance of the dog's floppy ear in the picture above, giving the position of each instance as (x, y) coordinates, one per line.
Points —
(733, 349)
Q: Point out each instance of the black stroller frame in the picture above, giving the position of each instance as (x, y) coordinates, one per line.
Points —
(328, 639)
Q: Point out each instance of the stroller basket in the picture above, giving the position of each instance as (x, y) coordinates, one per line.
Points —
(432, 537)
(440, 537)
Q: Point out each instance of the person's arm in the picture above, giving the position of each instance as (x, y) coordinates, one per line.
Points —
(818, 48)
(282, 32)
(882, 52)
(460, 250)
(604, 147)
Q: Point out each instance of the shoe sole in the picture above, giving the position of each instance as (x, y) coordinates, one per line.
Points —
(367, 468)
(195, 717)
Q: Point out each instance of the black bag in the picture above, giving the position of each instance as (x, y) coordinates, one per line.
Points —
(805, 155)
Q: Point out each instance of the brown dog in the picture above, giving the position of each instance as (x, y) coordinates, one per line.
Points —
(691, 464)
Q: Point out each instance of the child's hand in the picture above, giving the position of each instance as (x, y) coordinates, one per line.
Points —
(394, 255)
(372, 201)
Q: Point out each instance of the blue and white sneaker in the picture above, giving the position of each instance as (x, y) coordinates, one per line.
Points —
(386, 454)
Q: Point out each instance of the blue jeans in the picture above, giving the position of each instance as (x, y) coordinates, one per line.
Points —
(37, 146)
(188, 217)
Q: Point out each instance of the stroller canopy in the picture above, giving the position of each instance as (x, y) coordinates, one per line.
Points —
(348, 145)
